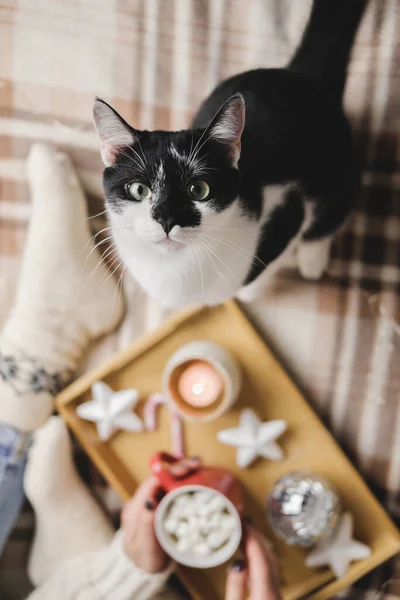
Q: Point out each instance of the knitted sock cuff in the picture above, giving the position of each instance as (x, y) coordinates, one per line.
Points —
(27, 387)
(27, 375)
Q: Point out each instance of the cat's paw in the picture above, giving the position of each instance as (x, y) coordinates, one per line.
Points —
(313, 258)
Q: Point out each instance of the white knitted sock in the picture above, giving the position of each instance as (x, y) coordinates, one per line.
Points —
(64, 300)
(69, 522)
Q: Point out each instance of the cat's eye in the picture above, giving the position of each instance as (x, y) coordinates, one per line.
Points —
(199, 190)
(138, 191)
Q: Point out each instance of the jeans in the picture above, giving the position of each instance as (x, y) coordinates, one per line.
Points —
(14, 447)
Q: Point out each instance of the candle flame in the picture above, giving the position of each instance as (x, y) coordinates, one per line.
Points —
(198, 389)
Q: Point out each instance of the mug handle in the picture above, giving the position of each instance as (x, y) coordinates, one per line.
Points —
(165, 477)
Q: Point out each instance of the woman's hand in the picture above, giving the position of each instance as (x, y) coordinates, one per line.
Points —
(260, 576)
(137, 521)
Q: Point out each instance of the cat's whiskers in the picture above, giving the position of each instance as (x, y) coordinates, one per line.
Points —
(95, 236)
(198, 168)
(124, 177)
(252, 258)
(210, 260)
(98, 214)
(224, 264)
(192, 150)
(104, 240)
(104, 256)
(238, 248)
(112, 248)
(193, 155)
(207, 256)
(191, 144)
(139, 158)
(100, 243)
(122, 227)
(198, 148)
(141, 150)
(108, 252)
(139, 165)
(142, 162)
(98, 264)
(109, 228)
(195, 251)
(112, 270)
(206, 170)
(119, 288)
(213, 228)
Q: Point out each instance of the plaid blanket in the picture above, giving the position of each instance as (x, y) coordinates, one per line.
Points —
(154, 60)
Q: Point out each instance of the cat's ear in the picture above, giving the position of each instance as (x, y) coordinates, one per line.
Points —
(227, 126)
(114, 132)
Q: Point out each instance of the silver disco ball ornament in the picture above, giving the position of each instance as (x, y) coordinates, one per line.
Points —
(303, 508)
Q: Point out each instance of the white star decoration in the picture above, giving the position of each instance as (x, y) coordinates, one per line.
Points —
(339, 550)
(111, 410)
(253, 438)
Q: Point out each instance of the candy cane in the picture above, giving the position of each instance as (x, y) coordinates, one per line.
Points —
(150, 420)
(178, 446)
(151, 409)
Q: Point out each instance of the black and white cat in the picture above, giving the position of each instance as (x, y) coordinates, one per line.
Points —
(209, 213)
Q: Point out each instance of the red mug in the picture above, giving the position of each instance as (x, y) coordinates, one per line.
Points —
(215, 478)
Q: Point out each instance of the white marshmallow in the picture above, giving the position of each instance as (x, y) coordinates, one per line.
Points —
(171, 525)
(194, 523)
(217, 503)
(195, 537)
(182, 500)
(217, 539)
(228, 523)
(175, 511)
(204, 510)
(215, 520)
(203, 497)
(182, 529)
(183, 545)
(189, 510)
(202, 549)
(207, 523)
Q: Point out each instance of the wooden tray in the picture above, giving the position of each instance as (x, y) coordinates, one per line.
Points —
(267, 388)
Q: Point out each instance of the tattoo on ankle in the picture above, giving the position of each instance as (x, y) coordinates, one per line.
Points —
(26, 375)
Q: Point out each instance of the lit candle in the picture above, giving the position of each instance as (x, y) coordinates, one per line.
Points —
(200, 384)
(199, 388)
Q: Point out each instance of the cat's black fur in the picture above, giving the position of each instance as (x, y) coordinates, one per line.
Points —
(296, 131)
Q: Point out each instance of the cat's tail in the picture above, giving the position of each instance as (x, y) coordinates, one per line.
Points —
(324, 51)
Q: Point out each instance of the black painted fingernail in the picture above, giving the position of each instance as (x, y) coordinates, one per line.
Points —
(160, 495)
(248, 520)
(149, 505)
(238, 566)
